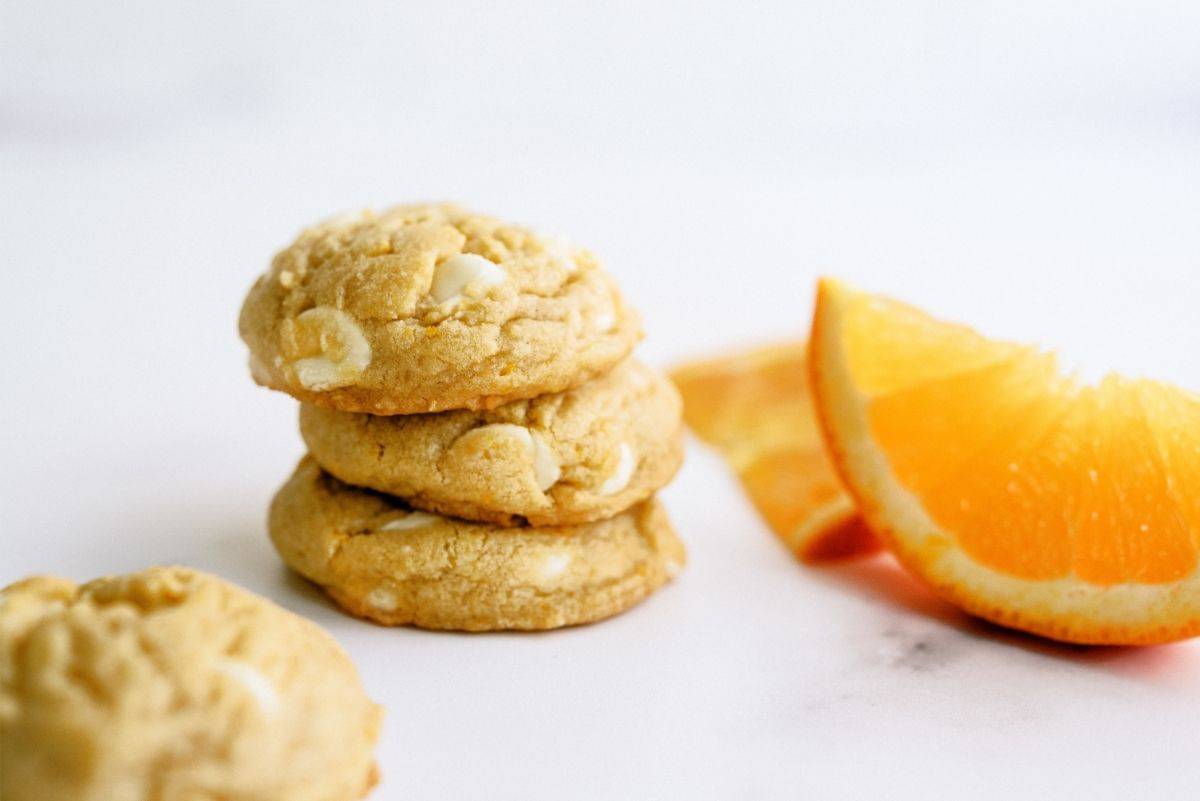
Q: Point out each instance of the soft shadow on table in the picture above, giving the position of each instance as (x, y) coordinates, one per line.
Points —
(880, 578)
(199, 532)
(220, 533)
(302, 587)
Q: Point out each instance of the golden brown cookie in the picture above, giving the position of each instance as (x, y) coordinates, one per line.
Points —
(173, 685)
(557, 459)
(380, 560)
(422, 308)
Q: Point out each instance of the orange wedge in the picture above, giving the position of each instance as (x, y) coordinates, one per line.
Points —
(754, 407)
(1023, 496)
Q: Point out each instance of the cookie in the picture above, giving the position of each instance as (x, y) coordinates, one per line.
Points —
(171, 684)
(558, 459)
(382, 561)
(422, 308)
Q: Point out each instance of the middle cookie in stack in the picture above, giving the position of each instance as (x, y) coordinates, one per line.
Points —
(527, 504)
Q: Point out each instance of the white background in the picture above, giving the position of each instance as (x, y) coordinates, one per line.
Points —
(1033, 168)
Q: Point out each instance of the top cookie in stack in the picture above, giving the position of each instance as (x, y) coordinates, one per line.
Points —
(454, 364)
(423, 308)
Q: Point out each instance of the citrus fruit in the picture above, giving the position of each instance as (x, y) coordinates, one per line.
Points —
(1024, 496)
(754, 407)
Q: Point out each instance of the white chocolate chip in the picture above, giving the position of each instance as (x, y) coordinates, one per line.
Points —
(672, 568)
(383, 599)
(546, 470)
(286, 278)
(252, 681)
(317, 374)
(604, 322)
(409, 522)
(619, 480)
(452, 277)
(495, 431)
(553, 566)
(340, 351)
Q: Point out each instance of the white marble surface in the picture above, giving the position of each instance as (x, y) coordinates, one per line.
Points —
(1024, 166)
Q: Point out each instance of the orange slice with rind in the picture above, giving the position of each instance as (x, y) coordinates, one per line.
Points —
(1024, 496)
(754, 408)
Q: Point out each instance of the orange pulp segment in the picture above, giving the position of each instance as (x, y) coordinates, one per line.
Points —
(1026, 497)
(754, 408)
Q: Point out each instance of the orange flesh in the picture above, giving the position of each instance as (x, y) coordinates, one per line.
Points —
(786, 485)
(1033, 474)
(755, 408)
(750, 403)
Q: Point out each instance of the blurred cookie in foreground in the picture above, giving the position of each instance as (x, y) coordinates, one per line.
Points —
(559, 459)
(754, 407)
(381, 560)
(171, 684)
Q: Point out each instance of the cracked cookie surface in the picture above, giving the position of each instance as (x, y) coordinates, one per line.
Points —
(381, 561)
(173, 685)
(564, 458)
(427, 307)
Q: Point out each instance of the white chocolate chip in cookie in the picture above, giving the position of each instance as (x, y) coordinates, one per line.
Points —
(252, 681)
(552, 567)
(452, 277)
(619, 479)
(546, 469)
(330, 349)
(542, 460)
(383, 599)
(409, 522)
(604, 322)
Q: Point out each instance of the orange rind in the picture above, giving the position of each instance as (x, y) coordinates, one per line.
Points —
(1025, 497)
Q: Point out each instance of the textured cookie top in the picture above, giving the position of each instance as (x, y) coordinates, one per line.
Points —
(171, 684)
(427, 307)
(382, 560)
(569, 457)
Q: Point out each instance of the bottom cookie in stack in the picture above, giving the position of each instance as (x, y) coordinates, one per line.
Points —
(381, 560)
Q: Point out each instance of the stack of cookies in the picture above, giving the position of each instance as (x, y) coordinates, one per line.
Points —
(483, 451)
